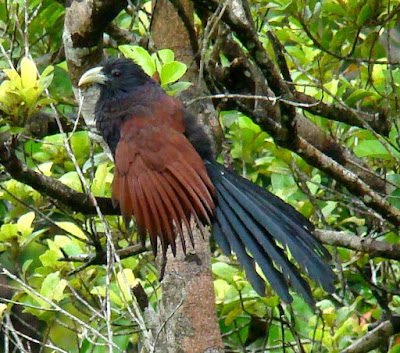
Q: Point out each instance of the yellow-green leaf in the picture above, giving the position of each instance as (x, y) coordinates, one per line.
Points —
(8, 231)
(50, 258)
(234, 314)
(126, 280)
(172, 72)
(140, 56)
(14, 77)
(98, 186)
(24, 224)
(53, 287)
(28, 73)
(72, 229)
(72, 180)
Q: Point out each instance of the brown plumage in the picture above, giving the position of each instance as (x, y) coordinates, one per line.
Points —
(161, 182)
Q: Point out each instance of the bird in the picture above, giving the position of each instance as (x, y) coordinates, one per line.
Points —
(166, 175)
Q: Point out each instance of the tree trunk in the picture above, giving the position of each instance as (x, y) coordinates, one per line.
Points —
(188, 303)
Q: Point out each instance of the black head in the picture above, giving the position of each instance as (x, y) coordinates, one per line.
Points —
(116, 75)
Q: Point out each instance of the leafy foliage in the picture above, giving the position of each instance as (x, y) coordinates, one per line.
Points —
(20, 95)
(160, 65)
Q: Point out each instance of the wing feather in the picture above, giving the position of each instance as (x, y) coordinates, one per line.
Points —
(166, 219)
(176, 215)
(155, 218)
(179, 174)
(184, 200)
(198, 185)
(161, 181)
(137, 210)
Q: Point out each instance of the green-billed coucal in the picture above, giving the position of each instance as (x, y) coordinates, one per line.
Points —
(165, 174)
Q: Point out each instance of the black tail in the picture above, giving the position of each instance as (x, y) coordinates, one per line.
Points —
(249, 218)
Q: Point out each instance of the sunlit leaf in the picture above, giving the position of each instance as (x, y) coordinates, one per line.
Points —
(126, 280)
(72, 228)
(14, 77)
(140, 56)
(374, 148)
(163, 57)
(8, 231)
(224, 271)
(172, 72)
(72, 180)
(28, 73)
(25, 224)
(53, 287)
(50, 258)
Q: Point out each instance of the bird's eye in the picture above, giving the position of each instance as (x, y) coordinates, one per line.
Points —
(116, 73)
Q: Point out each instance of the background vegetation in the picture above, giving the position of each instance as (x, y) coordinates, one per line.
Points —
(307, 94)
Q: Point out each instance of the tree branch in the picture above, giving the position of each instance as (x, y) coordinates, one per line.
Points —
(375, 338)
(50, 187)
(372, 247)
(379, 122)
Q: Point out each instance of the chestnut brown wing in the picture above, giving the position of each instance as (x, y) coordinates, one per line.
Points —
(162, 182)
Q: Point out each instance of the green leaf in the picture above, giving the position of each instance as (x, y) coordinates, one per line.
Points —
(26, 265)
(233, 315)
(63, 65)
(329, 208)
(172, 72)
(16, 130)
(166, 55)
(32, 236)
(98, 186)
(48, 70)
(224, 271)
(365, 14)
(357, 96)
(373, 148)
(221, 287)
(264, 161)
(80, 144)
(395, 349)
(45, 168)
(101, 290)
(140, 56)
(281, 182)
(255, 307)
(394, 198)
(53, 287)
(72, 180)
(72, 249)
(224, 60)
(176, 87)
(272, 302)
(162, 57)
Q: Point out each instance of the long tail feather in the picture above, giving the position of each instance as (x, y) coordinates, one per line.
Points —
(265, 226)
